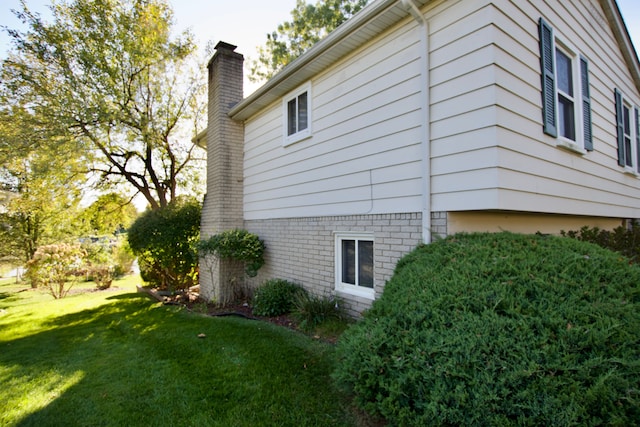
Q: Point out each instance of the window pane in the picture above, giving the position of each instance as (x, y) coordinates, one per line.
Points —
(365, 263)
(302, 112)
(349, 261)
(566, 118)
(626, 120)
(291, 117)
(563, 70)
(627, 152)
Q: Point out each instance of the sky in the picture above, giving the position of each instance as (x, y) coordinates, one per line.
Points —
(244, 23)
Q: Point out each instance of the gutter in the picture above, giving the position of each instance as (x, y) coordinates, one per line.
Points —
(426, 117)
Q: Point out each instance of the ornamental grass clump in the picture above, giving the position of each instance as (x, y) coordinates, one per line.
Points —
(276, 297)
(500, 329)
(312, 310)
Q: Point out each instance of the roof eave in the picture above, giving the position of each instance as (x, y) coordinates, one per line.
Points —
(333, 47)
(621, 34)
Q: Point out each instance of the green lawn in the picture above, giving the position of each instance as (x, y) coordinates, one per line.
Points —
(117, 358)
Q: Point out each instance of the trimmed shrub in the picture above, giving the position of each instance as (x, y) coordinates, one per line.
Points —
(500, 329)
(312, 310)
(275, 297)
(165, 242)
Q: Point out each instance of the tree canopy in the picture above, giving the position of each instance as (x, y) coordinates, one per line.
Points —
(40, 182)
(107, 78)
(309, 24)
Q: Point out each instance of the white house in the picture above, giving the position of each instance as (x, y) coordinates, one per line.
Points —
(419, 118)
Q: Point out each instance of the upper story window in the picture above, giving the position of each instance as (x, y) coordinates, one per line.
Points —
(628, 133)
(297, 115)
(565, 92)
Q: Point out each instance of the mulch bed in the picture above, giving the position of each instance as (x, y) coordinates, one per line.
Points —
(239, 308)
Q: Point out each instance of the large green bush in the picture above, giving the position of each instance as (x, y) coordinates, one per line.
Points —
(165, 241)
(501, 329)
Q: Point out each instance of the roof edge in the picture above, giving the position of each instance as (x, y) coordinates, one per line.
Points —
(621, 34)
(332, 39)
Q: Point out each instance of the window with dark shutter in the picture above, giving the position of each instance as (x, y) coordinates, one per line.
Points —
(619, 126)
(548, 79)
(627, 133)
(637, 129)
(566, 101)
(586, 104)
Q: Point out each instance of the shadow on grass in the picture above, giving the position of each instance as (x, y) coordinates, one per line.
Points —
(133, 362)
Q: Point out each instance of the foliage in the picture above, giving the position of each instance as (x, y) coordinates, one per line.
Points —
(236, 244)
(109, 214)
(165, 240)
(309, 24)
(39, 184)
(57, 267)
(625, 240)
(107, 258)
(275, 297)
(500, 329)
(312, 310)
(108, 76)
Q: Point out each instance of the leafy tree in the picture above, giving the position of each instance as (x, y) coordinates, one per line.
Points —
(108, 75)
(109, 214)
(40, 181)
(309, 24)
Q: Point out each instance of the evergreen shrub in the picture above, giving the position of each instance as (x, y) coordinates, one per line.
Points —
(165, 242)
(500, 329)
(275, 297)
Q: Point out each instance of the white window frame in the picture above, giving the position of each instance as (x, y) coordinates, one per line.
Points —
(349, 288)
(301, 134)
(578, 119)
(633, 168)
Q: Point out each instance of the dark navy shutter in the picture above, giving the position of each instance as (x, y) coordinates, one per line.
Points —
(620, 127)
(586, 104)
(637, 137)
(548, 79)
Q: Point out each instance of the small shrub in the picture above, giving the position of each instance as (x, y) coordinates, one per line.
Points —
(275, 297)
(621, 239)
(312, 310)
(500, 329)
(57, 267)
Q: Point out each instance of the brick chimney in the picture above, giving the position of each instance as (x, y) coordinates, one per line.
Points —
(222, 209)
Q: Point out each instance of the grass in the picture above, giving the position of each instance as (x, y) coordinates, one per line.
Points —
(116, 357)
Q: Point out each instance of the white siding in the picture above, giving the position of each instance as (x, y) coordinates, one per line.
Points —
(364, 153)
(464, 151)
(485, 72)
(488, 151)
(536, 174)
